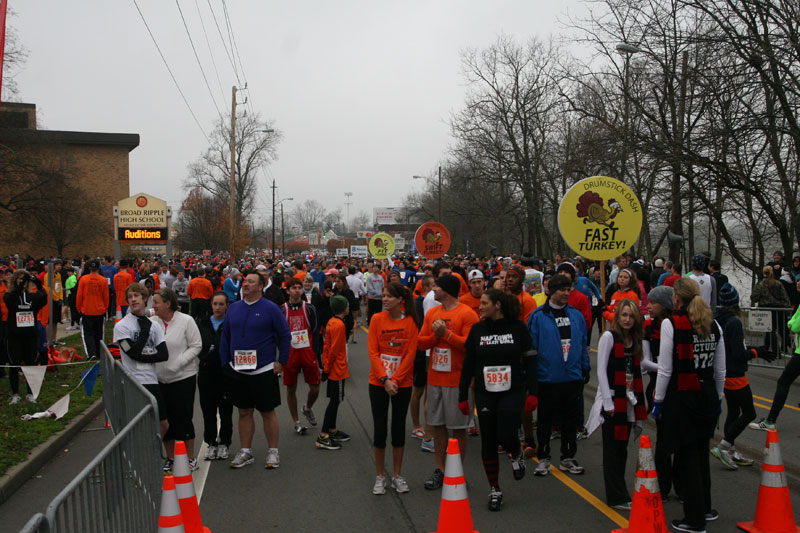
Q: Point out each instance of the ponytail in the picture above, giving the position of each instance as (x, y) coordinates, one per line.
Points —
(699, 312)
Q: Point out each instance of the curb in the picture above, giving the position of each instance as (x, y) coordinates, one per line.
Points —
(18, 474)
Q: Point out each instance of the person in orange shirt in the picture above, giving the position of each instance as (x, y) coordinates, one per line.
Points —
(392, 347)
(200, 290)
(426, 270)
(627, 287)
(515, 276)
(335, 371)
(444, 332)
(122, 279)
(93, 296)
(476, 287)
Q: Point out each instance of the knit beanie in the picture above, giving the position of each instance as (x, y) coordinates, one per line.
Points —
(338, 304)
(728, 296)
(449, 284)
(661, 295)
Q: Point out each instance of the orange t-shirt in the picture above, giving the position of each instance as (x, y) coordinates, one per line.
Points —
(44, 313)
(464, 287)
(334, 350)
(92, 298)
(527, 305)
(470, 301)
(122, 280)
(388, 339)
(450, 347)
(616, 298)
(300, 275)
(200, 288)
(736, 383)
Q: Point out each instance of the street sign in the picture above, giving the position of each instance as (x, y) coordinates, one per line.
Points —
(432, 240)
(381, 245)
(341, 252)
(600, 218)
(759, 321)
(359, 250)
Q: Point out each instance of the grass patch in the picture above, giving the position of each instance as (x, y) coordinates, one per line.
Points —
(18, 437)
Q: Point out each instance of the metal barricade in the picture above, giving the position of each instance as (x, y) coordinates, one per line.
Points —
(767, 326)
(120, 489)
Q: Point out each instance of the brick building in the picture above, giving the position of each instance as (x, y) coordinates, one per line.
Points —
(58, 188)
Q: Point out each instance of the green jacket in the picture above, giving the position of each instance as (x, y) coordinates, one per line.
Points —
(794, 325)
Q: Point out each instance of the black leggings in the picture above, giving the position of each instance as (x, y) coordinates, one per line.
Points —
(20, 351)
(212, 399)
(380, 399)
(559, 407)
(789, 374)
(179, 400)
(335, 392)
(740, 411)
(499, 419)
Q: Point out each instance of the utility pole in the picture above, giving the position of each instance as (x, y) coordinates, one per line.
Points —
(283, 234)
(272, 249)
(440, 193)
(347, 202)
(233, 173)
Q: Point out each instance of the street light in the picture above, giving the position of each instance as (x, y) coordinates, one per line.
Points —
(440, 189)
(274, 205)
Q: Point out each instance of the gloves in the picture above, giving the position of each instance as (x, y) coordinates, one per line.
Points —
(762, 352)
(587, 376)
(656, 412)
(144, 324)
(464, 407)
(531, 403)
(324, 376)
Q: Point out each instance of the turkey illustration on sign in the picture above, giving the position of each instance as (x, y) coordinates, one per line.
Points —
(432, 240)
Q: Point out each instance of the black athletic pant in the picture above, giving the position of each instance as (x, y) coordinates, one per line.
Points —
(112, 302)
(789, 374)
(3, 349)
(179, 399)
(74, 315)
(201, 308)
(93, 333)
(695, 480)
(380, 400)
(741, 411)
(212, 400)
(559, 405)
(665, 469)
(20, 351)
(335, 391)
(615, 453)
(374, 305)
(499, 419)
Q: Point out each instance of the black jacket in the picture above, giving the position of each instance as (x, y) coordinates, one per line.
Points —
(736, 353)
(209, 354)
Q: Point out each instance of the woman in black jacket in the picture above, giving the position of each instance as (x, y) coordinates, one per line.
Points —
(341, 288)
(21, 332)
(209, 382)
(738, 396)
(501, 360)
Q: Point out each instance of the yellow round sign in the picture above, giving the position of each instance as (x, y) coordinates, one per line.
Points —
(381, 245)
(600, 218)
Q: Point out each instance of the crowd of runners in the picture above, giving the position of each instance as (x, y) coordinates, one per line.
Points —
(467, 345)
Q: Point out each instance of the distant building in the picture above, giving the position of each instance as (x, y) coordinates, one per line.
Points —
(82, 176)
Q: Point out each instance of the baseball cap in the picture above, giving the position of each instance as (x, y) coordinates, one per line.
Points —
(475, 274)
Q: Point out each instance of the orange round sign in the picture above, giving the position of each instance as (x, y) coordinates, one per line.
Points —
(141, 201)
(432, 240)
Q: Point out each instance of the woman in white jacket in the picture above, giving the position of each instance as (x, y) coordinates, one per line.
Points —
(177, 376)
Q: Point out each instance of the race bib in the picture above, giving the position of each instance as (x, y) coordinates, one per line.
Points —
(244, 360)
(300, 339)
(109, 281)
(565, 348)
(57, 287)
(629, 381)
(441, 359)
(390, 364)
(497, 378)
(25, 319)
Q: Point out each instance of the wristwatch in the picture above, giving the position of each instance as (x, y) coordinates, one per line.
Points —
(384, 379)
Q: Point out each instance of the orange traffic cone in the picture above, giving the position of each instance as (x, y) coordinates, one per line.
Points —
(169, 517)
(647, 511)
(118, 315)
(185, 488)
(774, 512)
(454, 513)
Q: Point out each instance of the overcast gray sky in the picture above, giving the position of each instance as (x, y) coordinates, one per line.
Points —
(361, 90)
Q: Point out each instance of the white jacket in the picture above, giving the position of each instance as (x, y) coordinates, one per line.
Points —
(184, 344)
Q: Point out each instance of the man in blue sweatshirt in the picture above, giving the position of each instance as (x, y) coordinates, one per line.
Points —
(253, 331)
(558, 331)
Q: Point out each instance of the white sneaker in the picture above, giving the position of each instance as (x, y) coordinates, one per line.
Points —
(242, 459)
(273, 459)
(15, 399)
(222, 451)
(400, 484)
(211, 453)
(380, 486)
(543, 468)
(29, 398)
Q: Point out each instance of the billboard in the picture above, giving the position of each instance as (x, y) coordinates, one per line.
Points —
(387, 215)
(142, 211)
(358, 250)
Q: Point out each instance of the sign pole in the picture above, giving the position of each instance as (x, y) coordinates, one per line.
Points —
(602, 292)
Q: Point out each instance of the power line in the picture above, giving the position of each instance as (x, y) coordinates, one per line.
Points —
(202, 71)
(175, 81)
(208, 43)
(235, 48)
(225, 46)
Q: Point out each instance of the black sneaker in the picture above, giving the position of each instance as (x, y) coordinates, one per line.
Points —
(712, 515)
(681, 525)
(435, 481)
(340, 436)
(518, 466)
(167, 468)
(495, 499)
(325, 442)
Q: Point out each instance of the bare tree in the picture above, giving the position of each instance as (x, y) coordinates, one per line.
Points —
(15, 55)
(361, 221)
(309, 215)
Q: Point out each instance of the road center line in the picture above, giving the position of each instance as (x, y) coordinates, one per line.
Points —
(770, 403)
